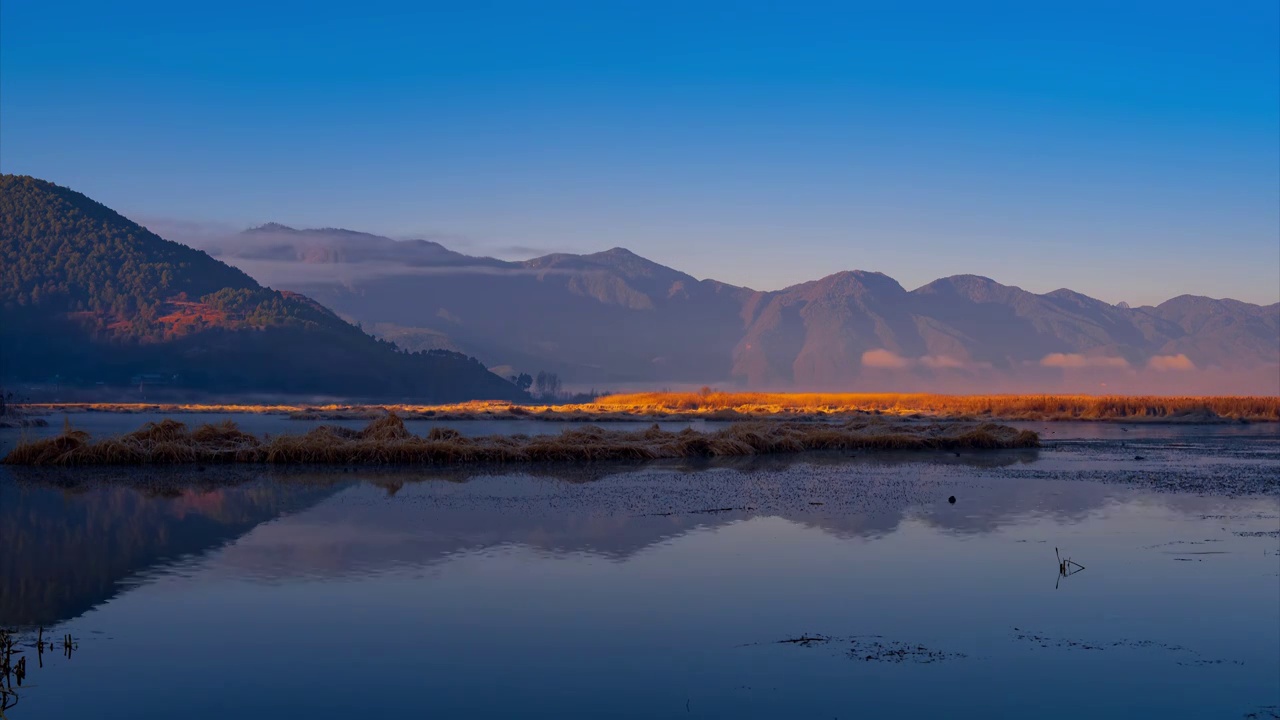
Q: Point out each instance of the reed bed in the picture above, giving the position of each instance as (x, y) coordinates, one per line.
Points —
(386, 441)
(1007, 407)
(732, 406)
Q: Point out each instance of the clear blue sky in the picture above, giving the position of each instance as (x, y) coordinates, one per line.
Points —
(1130, 151)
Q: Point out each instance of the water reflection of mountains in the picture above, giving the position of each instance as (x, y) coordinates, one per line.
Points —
(67, 549)
(73, 539)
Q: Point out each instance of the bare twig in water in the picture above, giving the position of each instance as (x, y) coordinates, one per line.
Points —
(13, 664)
(11, 676)
(1066, 567)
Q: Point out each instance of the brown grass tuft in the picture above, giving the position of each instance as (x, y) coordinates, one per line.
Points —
(164, 431)
(386, 428)
(48, 451)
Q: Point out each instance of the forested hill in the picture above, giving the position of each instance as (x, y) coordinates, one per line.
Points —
(88, 296)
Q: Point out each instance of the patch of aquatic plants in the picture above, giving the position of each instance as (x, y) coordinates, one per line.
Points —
(874, 648)
(1187, 655)
(386, 441)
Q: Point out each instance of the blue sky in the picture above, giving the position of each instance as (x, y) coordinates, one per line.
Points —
(1130, 151)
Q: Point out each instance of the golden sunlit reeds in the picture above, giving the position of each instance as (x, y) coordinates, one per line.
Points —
(733, 406)
(1007, 407)
(386, 441)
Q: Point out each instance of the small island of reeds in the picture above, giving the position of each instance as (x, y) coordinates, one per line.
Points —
(386, 441)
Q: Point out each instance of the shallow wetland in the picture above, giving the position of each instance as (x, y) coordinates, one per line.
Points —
(830, 584)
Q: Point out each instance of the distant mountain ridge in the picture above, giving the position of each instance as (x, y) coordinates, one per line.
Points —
(87, 297)
(616, 317)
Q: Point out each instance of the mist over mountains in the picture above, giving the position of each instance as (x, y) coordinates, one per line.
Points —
(614, 318)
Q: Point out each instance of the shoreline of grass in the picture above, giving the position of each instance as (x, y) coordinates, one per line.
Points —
(791, 407)
(1020, 407)
(386, 441)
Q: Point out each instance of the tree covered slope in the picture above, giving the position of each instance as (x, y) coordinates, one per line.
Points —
(89, 297)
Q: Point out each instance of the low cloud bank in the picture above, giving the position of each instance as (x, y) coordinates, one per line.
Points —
(884, 359)
(1076, 360)
(280, 273)
(889, 360)
(1056, 372)
(1165, 363)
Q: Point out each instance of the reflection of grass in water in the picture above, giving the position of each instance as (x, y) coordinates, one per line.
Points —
(385, 440)
(9, 684)
(181, 482)
(13, 663)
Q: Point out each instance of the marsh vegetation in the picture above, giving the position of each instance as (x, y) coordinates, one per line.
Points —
(386, 440)
(733, 406)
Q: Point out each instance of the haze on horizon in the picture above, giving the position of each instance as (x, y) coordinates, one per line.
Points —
(1131, 154)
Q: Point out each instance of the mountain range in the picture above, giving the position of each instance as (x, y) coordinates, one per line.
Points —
(614, 318)
(90, 299)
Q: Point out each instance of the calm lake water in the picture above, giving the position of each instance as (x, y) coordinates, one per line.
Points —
(663, 590)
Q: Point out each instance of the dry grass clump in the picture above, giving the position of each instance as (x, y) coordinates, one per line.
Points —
(165, 442)
(225, 433)
(387, 441)
(386, 429)
(49, 450)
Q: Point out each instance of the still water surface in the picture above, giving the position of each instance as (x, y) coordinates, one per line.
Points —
(660, 590)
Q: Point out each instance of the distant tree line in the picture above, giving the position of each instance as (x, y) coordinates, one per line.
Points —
(545, 385)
